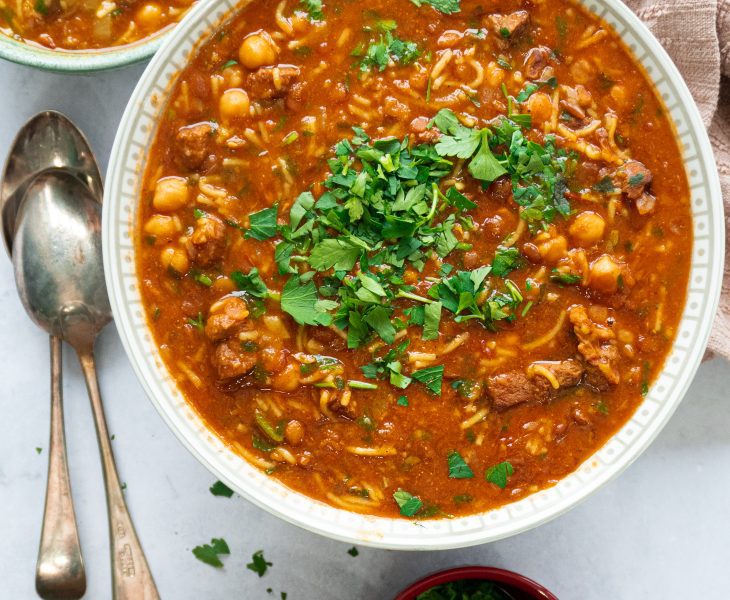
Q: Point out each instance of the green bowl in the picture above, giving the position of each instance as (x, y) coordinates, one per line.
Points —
(80, 61)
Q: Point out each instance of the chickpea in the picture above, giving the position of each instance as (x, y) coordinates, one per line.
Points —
(286, 380)
(540, 107)
(162, 226)
(553, 249)
(494, 74)
(294, 432)
(233, 76)
(233, 104)
(171, 193)
(258, 50)
(175, 259)
(223, 285)
(148, 16)
(604, 275)
(587, 228)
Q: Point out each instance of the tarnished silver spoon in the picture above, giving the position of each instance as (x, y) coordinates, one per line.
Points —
(59, 274)
(48, 141)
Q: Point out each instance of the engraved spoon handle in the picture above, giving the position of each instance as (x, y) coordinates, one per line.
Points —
(131, 575)
(60, 568)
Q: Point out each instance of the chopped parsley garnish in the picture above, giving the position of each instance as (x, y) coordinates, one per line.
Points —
(505, 261)
(198, 323)
(465, 589)
(262, 224)
(448, 7)
(38, 449)
(379, 55)
(537, 171)
(251, 283)
(458, 469)
(209, 553)
(353, 551)
(221, 489)
(258, 564)
(431, 377)
(313, 8)
(402, 401)
(605, 186)
(201, 278)
(566, 278)
(301, 302)
(499, 474)
(408, 503)
(645, 374)
(636, 179)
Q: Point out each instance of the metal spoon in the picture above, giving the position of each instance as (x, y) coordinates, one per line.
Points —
(59, 274)
(48, 141)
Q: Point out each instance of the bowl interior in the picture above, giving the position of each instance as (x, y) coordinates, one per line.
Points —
(123, 186)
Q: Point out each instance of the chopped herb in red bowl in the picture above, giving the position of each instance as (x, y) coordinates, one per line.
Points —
(475, 583)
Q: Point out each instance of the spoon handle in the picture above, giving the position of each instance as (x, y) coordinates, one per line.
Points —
(131, 575)
(60, 569)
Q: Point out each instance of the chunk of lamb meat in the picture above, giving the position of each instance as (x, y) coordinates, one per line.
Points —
(511, 389)
(208, 241)
(632, 178)
(508, 26)
(536, 60)
(225, 317)
(567, 373)
(597, 343)
(231, 360)
(424, 134)
(193, 145)
(268, 83)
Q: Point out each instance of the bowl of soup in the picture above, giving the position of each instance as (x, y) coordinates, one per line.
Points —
(416, 275)
(85, 35)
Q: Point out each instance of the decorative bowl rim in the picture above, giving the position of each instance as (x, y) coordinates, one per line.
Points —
(124, 174)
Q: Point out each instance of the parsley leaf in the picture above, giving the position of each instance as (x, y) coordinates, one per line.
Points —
(301, 302)
(262, 224)
(340, 254)
(467, 143)
(390, 48)
(251, 284)
(408, 503)
(505, 261)
(431, 377)
(313, 8)
(566, 278)
(484, 165)
(448, 7)
(353, 552)
(258, 564)
(498, 474)
(458, 469)
(221, 489)
(209, 553)
(431, 321)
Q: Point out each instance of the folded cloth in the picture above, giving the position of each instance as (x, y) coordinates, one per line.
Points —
(696, 34)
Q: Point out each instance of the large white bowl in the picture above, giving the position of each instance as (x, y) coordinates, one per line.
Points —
(123, 184)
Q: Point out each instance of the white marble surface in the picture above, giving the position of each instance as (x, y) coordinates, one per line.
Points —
(662, 530)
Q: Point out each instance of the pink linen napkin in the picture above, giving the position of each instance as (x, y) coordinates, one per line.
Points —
(696, 34)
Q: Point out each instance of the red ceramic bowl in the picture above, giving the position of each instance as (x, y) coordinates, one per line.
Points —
(520, 586)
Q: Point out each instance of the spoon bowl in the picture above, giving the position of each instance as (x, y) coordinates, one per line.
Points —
(49, 141)
(60, 276)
